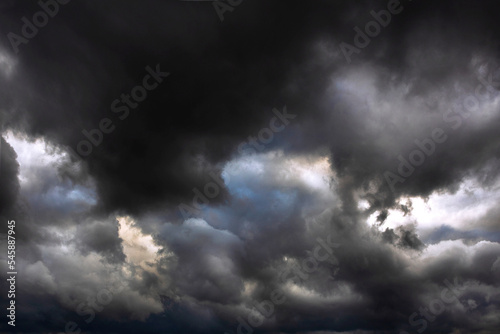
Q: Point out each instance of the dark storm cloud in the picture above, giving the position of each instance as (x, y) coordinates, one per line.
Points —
(405, 238)
(225, 79)
(221, 89)
(101, 237)
(419, 55)
(376, 276)
(9, 169)
(192, 121)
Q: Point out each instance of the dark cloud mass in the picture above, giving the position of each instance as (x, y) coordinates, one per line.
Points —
(251, 166)
(9, 169)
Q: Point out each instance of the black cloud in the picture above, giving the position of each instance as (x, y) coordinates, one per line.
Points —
(407, 91)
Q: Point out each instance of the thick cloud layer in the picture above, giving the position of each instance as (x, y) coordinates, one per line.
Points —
(252, 166)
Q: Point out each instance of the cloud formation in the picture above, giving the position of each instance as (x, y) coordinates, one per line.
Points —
(389, 165)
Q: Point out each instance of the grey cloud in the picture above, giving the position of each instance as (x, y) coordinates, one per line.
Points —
(226, 78)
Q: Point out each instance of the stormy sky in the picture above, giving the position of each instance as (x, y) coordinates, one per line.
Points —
(251, 166)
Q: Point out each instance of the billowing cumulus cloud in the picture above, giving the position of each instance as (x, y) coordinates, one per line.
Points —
(251, 166)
